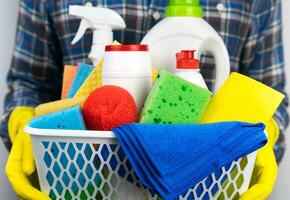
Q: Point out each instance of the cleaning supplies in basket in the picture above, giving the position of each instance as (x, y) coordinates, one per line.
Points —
(243, 99)
(165, 156)
(108, 107)
(174, 100)
(88, 80)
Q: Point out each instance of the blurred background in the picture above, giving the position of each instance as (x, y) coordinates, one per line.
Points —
(8, 18)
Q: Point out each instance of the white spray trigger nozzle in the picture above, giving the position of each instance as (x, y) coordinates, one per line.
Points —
(102, 21)
(84, 25)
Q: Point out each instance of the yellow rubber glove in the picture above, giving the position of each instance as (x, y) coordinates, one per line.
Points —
(20, 164)
(18, 119)
(266, 169)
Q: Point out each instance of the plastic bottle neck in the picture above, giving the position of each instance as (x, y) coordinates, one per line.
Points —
(184, 8)
(102, 36)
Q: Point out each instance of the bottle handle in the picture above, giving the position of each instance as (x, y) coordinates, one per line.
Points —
(217, 47)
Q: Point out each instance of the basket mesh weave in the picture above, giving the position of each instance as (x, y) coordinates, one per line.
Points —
(88, 170)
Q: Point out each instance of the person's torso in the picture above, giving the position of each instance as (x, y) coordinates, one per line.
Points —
(230, 18)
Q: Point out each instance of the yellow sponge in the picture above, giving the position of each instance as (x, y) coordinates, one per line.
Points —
(243, 99)
(94, 80)
(54, 106)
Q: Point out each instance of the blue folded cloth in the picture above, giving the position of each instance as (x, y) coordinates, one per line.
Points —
(171, 159)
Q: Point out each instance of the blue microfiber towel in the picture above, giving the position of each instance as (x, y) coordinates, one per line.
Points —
(82, 74)
(68, 119)
(171, 159)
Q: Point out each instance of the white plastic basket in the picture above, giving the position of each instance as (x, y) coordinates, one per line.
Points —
(91, 165)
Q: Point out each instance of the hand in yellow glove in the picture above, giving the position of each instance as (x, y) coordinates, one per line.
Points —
(20, 164)
(17, 121)
(266, 169)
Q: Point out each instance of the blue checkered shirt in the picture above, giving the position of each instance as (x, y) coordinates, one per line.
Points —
(251, 30)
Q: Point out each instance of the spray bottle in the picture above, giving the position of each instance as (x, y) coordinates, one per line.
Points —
(102, 21)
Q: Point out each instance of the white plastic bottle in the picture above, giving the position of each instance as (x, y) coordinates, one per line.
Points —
(187, 67)
(184, 28)
(129, 67)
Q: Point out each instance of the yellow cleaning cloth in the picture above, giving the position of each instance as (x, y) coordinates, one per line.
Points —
(94, 80)
(54, 106)
(69, 74)
(243, 99)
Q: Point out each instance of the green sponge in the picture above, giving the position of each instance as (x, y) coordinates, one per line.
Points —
(174, 100)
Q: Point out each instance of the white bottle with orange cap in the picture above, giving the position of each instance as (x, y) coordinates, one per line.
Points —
(187, 67)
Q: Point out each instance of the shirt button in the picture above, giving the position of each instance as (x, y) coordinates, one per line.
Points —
(156, 15)
(220, 7)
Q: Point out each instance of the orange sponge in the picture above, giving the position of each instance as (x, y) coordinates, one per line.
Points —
(108, 107)
(68, 77)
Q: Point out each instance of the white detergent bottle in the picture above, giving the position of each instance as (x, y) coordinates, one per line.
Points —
(184, 28)
(187, 67)
(102, 21)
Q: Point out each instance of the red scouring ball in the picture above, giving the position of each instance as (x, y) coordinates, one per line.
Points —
(108, 107)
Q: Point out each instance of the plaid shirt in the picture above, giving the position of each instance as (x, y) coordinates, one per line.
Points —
(251, 30)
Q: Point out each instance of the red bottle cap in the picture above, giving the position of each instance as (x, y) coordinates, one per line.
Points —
(130, 47)
(185, 60)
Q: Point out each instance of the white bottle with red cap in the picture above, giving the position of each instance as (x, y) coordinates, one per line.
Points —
(187, 67)
(129, 67)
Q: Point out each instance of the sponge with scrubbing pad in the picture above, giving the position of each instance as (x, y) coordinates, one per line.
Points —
(69, 74)
(108, 107)
(93, 81)
(174, 100)
(54, 106)
(82, 74)
(68, 119)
